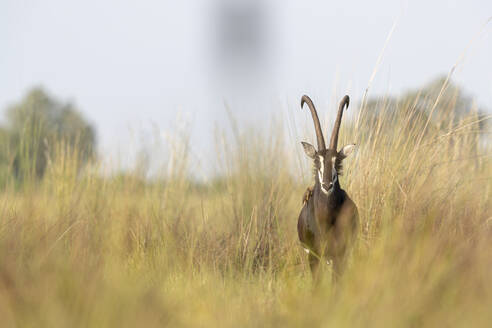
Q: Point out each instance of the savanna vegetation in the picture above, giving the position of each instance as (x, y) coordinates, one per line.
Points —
(83, 249)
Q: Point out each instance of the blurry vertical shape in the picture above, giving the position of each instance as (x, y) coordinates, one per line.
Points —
(241, 50)
(241, 32)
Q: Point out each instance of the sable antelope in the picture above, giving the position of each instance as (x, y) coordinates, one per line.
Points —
(328, 222)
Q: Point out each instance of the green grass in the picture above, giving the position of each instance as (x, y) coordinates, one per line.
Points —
(81, 250)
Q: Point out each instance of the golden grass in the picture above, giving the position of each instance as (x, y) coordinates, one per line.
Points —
(89, 251)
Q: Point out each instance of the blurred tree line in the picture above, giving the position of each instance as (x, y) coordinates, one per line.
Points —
(33, 128)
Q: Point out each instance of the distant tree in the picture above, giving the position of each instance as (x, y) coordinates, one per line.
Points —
(438, 112)
(35, 125)
(453, 105)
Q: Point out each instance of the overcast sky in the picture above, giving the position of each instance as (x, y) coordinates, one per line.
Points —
(128, 63)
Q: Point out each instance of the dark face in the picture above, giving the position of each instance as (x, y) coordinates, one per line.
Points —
(327, 163)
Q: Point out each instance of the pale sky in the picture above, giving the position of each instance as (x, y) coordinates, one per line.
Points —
(128, 65)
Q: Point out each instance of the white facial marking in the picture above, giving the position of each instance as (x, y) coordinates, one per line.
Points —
(321, 168)
(321, 173)
(306, 250)
(324, 190)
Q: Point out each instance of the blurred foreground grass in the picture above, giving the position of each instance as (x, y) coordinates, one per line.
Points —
(81, 250)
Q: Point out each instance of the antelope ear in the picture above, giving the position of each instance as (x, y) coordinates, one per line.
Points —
(309, 149)
(346, 150)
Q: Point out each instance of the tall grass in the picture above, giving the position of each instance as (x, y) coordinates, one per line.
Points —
(81, 249)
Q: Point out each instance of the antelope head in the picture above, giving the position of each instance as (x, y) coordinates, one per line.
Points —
(327, 162)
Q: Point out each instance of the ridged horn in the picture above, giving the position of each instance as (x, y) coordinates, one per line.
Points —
(317, 126)
(334, 135)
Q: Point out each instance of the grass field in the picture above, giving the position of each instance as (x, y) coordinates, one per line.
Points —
(78, 249)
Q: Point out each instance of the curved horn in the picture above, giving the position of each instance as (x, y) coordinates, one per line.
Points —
(317, 126)
(334, 135)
